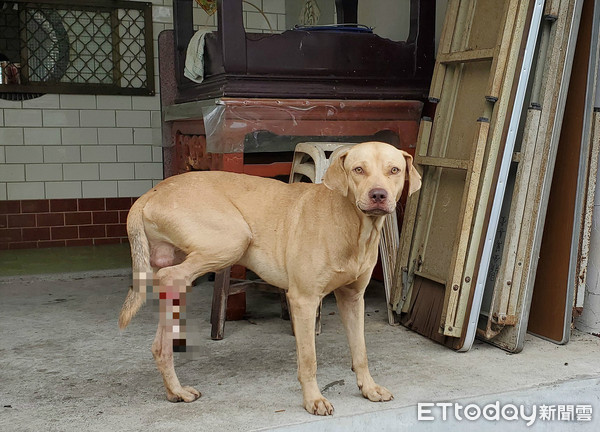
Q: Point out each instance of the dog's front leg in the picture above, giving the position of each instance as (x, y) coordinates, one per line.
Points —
(351, 305)
(303, 311)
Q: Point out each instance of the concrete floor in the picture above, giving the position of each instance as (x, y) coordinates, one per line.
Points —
(65, 366)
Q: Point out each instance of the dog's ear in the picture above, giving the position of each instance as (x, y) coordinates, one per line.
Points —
(336, 177)
(414, 178)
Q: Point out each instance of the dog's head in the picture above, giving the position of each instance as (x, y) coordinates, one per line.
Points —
(373, 175)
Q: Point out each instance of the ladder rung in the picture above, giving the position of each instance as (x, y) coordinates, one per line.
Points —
(430, 277)
(467, 56)
(442, 162)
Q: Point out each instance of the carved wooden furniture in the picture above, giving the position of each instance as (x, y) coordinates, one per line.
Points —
(307, 64)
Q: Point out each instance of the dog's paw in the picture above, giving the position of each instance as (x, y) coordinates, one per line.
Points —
(185, 394)
(377, 393)
(320, 406)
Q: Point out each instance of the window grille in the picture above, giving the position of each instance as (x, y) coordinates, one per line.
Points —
(67, 46)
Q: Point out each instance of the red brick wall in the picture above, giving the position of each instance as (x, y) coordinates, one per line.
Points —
(63, 222)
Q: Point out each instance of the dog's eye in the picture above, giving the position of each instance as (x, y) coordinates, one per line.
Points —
(358, 170)
(395, 170)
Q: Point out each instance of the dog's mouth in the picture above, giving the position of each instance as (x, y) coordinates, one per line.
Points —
(376, 210)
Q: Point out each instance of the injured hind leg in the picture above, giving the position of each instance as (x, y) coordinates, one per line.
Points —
(162, 350)
(173, 285)
(171, 336)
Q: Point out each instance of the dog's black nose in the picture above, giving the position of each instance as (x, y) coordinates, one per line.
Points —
(378, 195)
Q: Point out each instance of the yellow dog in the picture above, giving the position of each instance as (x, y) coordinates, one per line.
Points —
(308, 239)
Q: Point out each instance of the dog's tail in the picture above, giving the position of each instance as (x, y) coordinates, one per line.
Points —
(140, 262)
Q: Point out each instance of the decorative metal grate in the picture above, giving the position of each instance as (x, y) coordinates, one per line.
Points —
(68, 46)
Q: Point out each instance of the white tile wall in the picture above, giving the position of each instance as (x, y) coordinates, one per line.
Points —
(133, 118)
(63, 189)
(99, 154)
(134, 153)
(143, 136)
(59, 117)
(42, 136)
(79, 136)
(260, 21)
(11, 136)
(117, 171)
(113, 102)
(157, 154)
(100, 189)
(24, 154)
(116, 136)
(81, 171)
(72, 146)
(157, 137)
(148, 170)
(77, 101)
(155, 119)
(43, 172)
(252, 5)
(12, 173)
(97, 118)
(274, 6)
(20, 117)
(62, 154)
(134, 187)
(10, 104)
(150, 103)
(21, 191)
(202, 19)
(46, 101)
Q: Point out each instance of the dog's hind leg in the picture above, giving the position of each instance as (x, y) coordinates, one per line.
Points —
(162, 350)
(173, 284)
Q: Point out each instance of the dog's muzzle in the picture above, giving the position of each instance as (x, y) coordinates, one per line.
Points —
(378, 203)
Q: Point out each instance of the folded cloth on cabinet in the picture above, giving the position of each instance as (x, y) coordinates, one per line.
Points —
(194, 59)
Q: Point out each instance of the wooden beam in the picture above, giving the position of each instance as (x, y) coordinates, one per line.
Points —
(469, 56)
(442, 162)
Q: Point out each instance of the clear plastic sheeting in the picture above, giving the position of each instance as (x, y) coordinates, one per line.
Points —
(263, 125)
